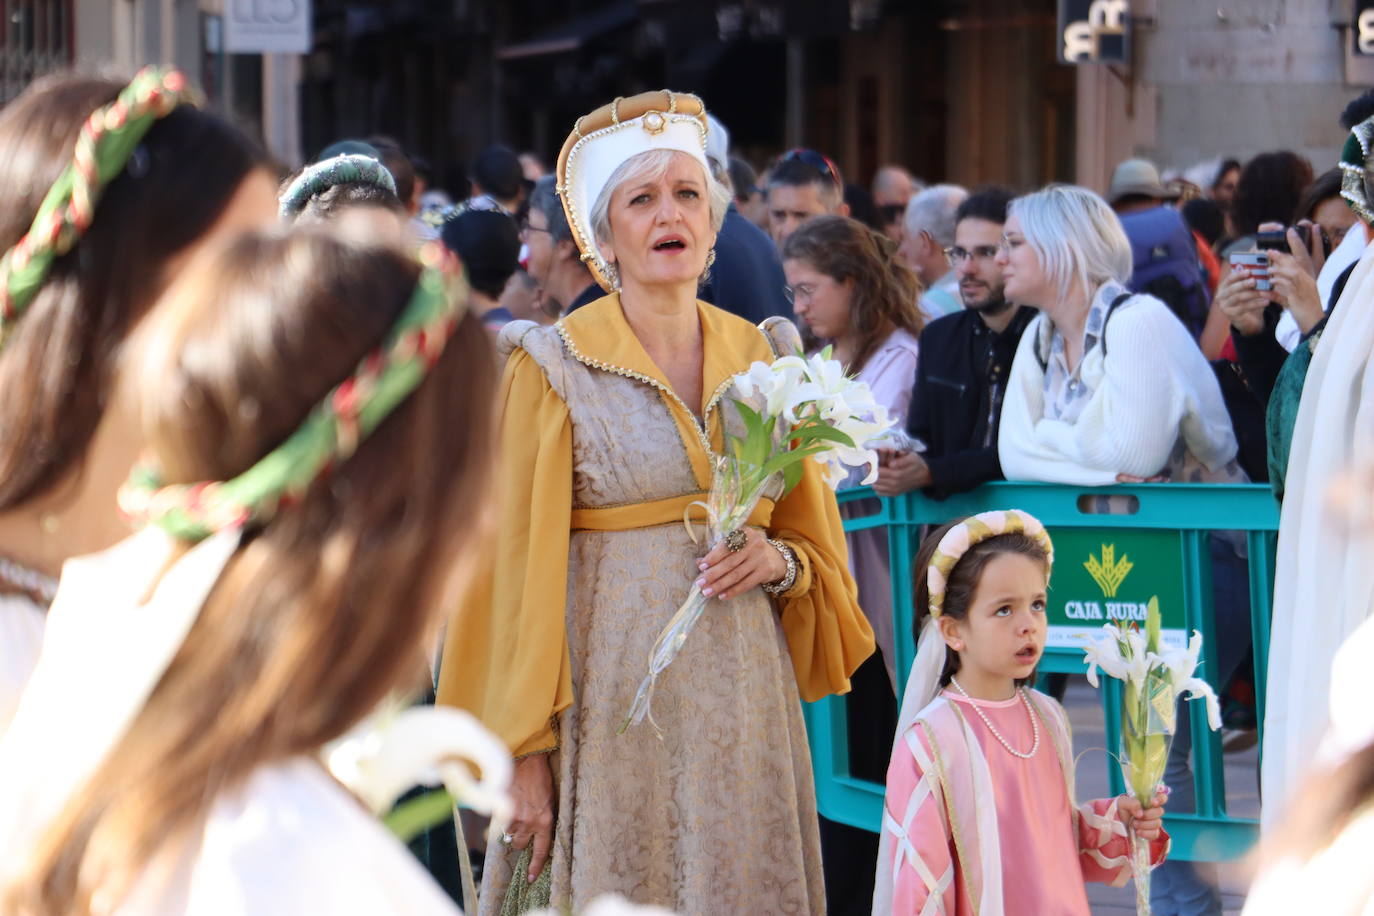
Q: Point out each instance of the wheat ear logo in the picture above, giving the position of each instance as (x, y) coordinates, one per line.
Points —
(1109, 573)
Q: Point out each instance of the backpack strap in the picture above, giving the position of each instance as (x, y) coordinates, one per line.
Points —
(1120, 300)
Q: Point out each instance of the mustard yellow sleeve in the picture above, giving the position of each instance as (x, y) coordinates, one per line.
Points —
(506, 651)
(827, 634)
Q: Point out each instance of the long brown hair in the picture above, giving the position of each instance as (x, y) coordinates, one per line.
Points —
(56, 368)
(323, 611)
(885, 290)
(963, 579)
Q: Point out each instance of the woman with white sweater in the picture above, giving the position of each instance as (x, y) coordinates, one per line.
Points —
(1108, 386)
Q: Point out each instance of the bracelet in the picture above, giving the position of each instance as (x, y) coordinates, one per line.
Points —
(790, 579)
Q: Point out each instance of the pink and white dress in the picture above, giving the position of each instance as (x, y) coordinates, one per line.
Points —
(970, 828)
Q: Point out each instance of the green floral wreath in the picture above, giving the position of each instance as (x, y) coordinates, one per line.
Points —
(329, 435)
(106, 142)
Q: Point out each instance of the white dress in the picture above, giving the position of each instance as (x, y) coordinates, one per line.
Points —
(1324, 582)
(289, 841)
(21, 636)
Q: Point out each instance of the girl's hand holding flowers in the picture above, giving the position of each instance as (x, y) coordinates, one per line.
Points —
(1147, 823)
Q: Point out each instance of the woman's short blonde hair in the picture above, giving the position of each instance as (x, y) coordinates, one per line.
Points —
(651, 166)
(1076, 236)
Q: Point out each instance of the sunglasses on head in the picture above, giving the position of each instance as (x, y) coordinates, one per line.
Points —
(817, 161)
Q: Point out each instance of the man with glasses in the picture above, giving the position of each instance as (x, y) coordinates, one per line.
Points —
(552, 258)
(803, 184)
(965, 361)
(929, 230)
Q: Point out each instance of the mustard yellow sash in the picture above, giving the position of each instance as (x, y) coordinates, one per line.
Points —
(655, 512)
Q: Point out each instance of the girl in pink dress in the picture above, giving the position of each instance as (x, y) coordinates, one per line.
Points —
(979, 816)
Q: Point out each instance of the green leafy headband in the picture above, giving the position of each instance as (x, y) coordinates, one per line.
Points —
(329, 435)
(1355, 164)
(349, 168)
(106, 142)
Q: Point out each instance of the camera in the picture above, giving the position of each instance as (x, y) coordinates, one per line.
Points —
(1277, 240)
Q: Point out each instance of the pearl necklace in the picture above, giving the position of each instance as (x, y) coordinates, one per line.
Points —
(1035, 725)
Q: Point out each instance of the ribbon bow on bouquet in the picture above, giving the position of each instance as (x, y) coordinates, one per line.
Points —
(811, 409)
(1153, 679)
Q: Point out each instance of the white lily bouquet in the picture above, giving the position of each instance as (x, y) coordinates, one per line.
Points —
(810, 409)
(1153, 679)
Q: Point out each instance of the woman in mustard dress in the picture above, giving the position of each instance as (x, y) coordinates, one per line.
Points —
(611, 419)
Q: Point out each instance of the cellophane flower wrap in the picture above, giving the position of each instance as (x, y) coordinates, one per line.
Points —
(1153, 678)
(808, 409)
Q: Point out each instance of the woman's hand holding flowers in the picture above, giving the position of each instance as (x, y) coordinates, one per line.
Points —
(728, 574)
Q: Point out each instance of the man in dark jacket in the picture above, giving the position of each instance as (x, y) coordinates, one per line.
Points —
(964, 365)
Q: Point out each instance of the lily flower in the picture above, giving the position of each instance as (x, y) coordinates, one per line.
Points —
(1182, 664)
(1104, 652)
(398, 748)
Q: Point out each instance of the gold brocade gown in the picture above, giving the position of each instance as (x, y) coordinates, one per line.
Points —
(599, 461)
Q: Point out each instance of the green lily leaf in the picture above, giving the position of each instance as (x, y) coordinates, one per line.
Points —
(416, 815)
(824, 431)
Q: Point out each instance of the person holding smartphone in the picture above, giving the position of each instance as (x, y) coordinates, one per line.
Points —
(1254, 298)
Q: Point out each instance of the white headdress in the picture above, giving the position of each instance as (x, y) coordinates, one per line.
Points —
(602, 141)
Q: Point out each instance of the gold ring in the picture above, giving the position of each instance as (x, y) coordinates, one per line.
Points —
(735, 540)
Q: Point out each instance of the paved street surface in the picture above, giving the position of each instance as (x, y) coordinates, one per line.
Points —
(1085, 714)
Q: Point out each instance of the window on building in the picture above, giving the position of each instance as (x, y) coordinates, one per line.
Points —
(35, 37)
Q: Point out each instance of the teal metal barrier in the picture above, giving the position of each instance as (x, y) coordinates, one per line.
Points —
(1185, 511)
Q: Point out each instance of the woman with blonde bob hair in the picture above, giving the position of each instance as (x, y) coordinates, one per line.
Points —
(1107, 385)
(611, 424)
(166, 756)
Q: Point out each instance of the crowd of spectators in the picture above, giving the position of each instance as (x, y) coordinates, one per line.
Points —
(1051, 335)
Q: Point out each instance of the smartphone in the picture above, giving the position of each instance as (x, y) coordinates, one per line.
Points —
(1256, 263)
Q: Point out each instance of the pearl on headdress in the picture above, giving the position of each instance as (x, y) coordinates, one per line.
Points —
(654, 122)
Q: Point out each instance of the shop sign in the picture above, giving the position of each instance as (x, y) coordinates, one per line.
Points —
(1105, 577)
(1094, 31)
(1362, 32)
(267, 26)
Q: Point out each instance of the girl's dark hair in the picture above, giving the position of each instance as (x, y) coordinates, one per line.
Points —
(963, 579)
(885, 289)
(1268, 190)
(1326, 186)
(56, 368)
(324, 610)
